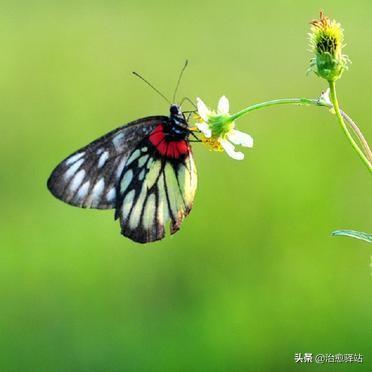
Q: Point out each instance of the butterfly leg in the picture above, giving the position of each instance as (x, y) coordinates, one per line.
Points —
(189, 114)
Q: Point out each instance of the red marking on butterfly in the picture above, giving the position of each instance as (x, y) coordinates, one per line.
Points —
(168, 148)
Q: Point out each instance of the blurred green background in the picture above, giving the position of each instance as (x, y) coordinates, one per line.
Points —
(253, 276)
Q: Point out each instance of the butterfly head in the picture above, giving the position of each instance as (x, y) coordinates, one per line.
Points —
(177, 116)
(175, 110)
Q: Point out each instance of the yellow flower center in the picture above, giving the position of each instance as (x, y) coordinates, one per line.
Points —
(212, 144)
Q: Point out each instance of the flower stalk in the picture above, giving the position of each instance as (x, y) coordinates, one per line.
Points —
(334, 100)
(342, 118)
(217, 128)
(277, 102)
(358, 133)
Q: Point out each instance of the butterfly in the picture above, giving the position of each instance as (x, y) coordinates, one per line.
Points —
(144, 170)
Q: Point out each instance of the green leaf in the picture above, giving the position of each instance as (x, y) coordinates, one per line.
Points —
(354, 234)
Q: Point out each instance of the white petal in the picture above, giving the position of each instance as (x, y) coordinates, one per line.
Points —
(240, 138)
(223, 105)
(203, 110)
(230, 150)
(204, 128)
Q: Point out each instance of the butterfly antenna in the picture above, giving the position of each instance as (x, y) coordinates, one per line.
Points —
(148, 83)
(179, 80)
(188, 100)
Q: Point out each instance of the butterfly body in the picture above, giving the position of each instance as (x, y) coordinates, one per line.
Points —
(145, 170)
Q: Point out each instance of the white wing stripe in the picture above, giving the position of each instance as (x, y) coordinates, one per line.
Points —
(95, 195)
(77, 180)
(73, 158)
(73, 169)
(142, 160)
(128, 176)
(149, 212)
(110, 196)
(83, 191)
(134, 156)
(102, 159)
(117, 141)
(127, 203)
(120, 168)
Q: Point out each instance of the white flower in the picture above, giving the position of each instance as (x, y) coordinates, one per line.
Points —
(204, 128)
(219, 130)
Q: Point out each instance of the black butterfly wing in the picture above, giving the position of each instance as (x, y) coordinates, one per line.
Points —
(155, 191)
(88, 178)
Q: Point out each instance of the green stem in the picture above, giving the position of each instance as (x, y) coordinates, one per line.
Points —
(341, 116)
(275, 102)
(359, 134)
(333, 97)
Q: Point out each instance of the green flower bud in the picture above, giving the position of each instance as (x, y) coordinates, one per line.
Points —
(326, 42)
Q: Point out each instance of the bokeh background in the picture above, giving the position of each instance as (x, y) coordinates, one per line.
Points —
(253, 277)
